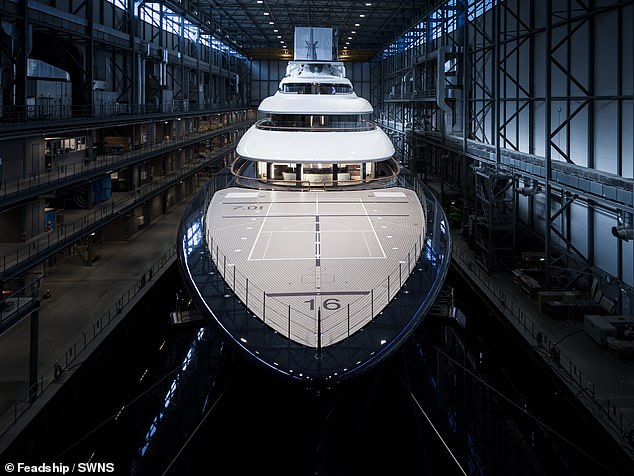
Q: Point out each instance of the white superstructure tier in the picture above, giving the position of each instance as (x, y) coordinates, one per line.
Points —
(323, 147)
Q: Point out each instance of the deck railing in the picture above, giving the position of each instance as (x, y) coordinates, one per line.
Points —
(68, 171)
(240, 167)
(336, 126)
(12, 116)
(40, 247)
(561, 363)
(338, 322)
(57, 372)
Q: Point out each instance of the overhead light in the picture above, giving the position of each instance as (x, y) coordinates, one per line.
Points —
(275, 31)
(282, 41)
(266, 14)
(347, 42)
(357, 24)
(345, 47)
(271, 23)
(349, 37)
(353, 32)
(368, 4)
(361, 15)
(278, 36)
(259, 1)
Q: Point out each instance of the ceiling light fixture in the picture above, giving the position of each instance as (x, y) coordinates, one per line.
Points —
(357, 24)
(349, 37)
(275, 31)
(361, 15)
(271, 23)
(368, 4)
(259, 1)
(266, 14)
(353, 32)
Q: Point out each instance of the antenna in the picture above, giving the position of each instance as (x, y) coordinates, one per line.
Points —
(311, 47)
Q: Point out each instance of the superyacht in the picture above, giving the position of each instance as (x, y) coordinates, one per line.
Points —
(315, 252)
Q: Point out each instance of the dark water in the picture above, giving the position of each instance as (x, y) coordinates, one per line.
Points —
(178, 401)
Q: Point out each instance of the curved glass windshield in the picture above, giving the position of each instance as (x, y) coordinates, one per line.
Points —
(326, 120)
(316, 88)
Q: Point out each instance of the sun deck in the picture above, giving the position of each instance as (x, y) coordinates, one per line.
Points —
(313, 264)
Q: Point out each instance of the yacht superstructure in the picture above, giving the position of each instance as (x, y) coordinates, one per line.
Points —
(319, 254)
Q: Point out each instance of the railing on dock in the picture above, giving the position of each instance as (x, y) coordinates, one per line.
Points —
(560, 362)
(56, 373)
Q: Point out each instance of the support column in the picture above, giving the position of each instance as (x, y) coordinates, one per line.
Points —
(547, 140)
(33, 352)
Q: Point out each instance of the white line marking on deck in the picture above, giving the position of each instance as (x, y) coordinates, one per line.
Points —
(390, 194)
(255, 242)
(317, 239)
(372, 226)
(268, 242)
(242, 195)
(312, 258)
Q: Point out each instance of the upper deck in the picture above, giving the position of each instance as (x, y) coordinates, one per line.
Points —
(293, 103)
(315, 88)
(301, 146)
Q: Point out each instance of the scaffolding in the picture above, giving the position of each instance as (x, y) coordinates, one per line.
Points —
(467, 89)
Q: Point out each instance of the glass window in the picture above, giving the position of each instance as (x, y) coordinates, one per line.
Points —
(316, 88)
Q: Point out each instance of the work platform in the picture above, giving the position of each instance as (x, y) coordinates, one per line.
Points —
(602, 382)
(85, 305)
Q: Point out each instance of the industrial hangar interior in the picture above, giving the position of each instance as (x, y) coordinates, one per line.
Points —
(517, 114)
